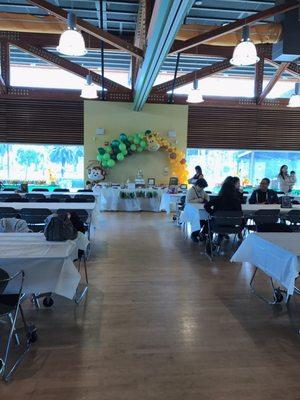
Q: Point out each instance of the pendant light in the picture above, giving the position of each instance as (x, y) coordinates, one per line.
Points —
(295, 98)
(89, 91)
(195, 95)
(71, 42)
(245, 52)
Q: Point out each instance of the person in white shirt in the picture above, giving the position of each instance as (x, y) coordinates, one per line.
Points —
(197, 194)
(283, 179)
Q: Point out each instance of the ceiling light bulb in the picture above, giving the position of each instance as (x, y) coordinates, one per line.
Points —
(89, 91)
(71, 43)
(245, 52)
(195, 96)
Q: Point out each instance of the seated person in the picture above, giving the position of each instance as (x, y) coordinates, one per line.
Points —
(264, 195)
(228, 199)
(196, 193)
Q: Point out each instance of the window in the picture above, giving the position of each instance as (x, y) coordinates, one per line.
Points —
(250, 165)
(42, 164)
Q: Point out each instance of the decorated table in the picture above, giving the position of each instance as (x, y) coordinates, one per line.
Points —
(48, 266)
(276, 254)
(117, 199)
(193, 213)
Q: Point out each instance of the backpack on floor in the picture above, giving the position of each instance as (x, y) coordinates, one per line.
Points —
(58, 228)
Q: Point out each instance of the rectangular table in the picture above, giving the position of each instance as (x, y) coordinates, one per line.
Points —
(48, 266)
(193, 213)
(276, 254)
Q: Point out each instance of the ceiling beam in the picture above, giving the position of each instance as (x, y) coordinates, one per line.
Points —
(68, 65)
(89, 28)
(292, 68)
(234, 26)
(259, 73)
(166, 20)
(190, 77)
(272, 82)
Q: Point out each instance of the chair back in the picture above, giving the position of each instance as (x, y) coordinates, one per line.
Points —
(274, 228)
(16, 281)
(76, 200)
(35, 196)
(226, 222)
(34, 216)
(266, 216)
(61, 190)
(89, 198)
(293, 216)
(60, 197)
(8, 212)
(85, 191)
(12, 199)
(40, 190)
(46, 200)
(9, 190)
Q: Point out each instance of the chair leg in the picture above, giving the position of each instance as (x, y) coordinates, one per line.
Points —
(85, 269)
(11, 321)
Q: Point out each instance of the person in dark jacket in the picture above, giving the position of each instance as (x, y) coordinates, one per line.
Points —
(264, 195)
(227, 200)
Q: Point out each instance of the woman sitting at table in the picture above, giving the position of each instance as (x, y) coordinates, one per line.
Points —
(264, 195)
(228, 199)
(197, 175)
(283, 179)
(196, 194)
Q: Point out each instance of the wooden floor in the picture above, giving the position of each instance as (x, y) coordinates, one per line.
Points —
(160, 322)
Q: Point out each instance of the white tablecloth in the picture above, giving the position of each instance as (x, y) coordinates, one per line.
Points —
(110, 200)
(169, 200)
(192, 213)
(277, 254)
(48, 266)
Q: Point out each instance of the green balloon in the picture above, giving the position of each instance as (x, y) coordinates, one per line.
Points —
(99, 157)
(140, 149)
(124, 152)
(111, 163)
(106, 157)
(104, 163)
(133, 147)
(143, 144)
(136, 139)
(131, 138)
(115, 143)
(141, 135)
(122, 146)
(108, 149)
(120, 157)
(123, 137)
(101, 150)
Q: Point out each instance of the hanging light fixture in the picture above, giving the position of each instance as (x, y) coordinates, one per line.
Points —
(195, 95)
(245, 52)
(295, 98)
(71, 42)
(89, 91)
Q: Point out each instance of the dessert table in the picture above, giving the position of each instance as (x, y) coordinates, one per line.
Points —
(117, 199)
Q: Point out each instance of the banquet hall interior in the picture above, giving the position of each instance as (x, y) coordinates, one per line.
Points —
(149, 199)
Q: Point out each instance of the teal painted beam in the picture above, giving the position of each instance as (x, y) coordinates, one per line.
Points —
(166, 20)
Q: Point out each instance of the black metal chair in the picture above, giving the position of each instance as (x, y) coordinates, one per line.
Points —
(40, 190)
(10, 305)
(85, 191)
(9, 190)
(275, 227)
(89, 198)
(35, 217)
(16, 199)
(83, 215)
(35, 196)
(75, 200)
(46, 200)
(8, 212)
(223, 223)
(260, 217)
(293, 217)
(60, 197)
(61, 190)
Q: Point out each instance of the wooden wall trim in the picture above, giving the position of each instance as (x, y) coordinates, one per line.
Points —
(243, 128)
(38, 121)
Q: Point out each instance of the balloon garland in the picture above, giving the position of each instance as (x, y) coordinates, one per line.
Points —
(118, 149)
